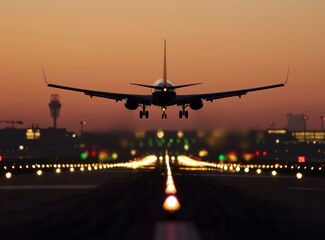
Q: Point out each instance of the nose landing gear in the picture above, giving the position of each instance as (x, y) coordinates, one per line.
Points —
(164, 115)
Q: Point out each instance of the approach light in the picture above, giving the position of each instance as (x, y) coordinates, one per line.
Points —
(8, 175)
(171, 204)
(299, 175)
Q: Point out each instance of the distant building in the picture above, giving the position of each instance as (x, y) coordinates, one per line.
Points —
(295, 122)
(36, 142)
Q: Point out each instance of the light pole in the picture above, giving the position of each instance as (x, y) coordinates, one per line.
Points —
(305, 125)
(82, 123)
(322, 118)
(272, 124)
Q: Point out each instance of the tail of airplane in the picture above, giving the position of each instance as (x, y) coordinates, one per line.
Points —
(165, 66)
(164, 80)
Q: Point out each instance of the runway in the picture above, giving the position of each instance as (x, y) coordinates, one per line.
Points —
(126, 203)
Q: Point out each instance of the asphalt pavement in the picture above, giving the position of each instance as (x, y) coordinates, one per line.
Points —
(127, 204)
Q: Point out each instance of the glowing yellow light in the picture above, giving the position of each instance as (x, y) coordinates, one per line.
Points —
(232, 157)
(133, 152)
(203, 153)
(58, 170)
(171, 204)
(82, 169)
(8, 175)
(186, 147)
(160, 134)
(180, 134)
(259, 171)
(299, 175)
(246, 170)
(274, 173)
(21, 147)
(39, 172)
(71, 169)
(170, 189)
(237, 169)
(114, 156)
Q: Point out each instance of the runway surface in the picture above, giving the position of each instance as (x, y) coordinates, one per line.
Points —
(126, 203)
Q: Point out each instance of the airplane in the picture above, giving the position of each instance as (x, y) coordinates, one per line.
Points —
(164, 94)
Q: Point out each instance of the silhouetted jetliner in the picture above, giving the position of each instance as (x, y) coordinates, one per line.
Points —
(164, 95)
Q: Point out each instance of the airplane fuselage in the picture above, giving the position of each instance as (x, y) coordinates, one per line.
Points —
(165, 97)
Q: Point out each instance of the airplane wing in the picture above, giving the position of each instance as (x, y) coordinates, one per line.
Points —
(140, 99)
(187, 99)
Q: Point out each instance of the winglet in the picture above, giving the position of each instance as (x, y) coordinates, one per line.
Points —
(287, 76)
(44, 75)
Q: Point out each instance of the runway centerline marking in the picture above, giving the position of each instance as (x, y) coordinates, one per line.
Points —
(47, 187)
(172, 230)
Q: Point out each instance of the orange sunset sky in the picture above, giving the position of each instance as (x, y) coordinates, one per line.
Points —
(106, 44)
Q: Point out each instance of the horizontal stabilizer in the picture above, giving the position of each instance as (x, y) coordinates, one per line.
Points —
(165, 87)
(147, 86)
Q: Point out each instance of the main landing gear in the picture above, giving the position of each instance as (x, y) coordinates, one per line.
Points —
(183, 112)
(164, 115)
(143, 112)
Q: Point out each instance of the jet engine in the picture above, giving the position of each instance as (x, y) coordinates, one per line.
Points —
(196, 105)
(131, 105)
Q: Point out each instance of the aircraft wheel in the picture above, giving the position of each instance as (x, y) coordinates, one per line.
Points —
(141, 114)
(180, 114)
(147, 114)
(186, 114)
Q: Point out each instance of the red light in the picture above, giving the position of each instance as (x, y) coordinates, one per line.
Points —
(301, 159)
(264, 153)
(93, 153)
(257, 153)
(0, 158)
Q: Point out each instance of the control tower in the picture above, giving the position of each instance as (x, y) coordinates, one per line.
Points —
(55, 106)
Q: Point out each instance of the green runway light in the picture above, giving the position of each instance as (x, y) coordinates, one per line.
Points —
(222, 157)
(84, 155)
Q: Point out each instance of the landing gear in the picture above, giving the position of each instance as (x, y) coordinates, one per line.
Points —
(143, 112)
(164, 115)
(183, 112)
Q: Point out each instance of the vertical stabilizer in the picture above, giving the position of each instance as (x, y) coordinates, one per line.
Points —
(165, 67)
